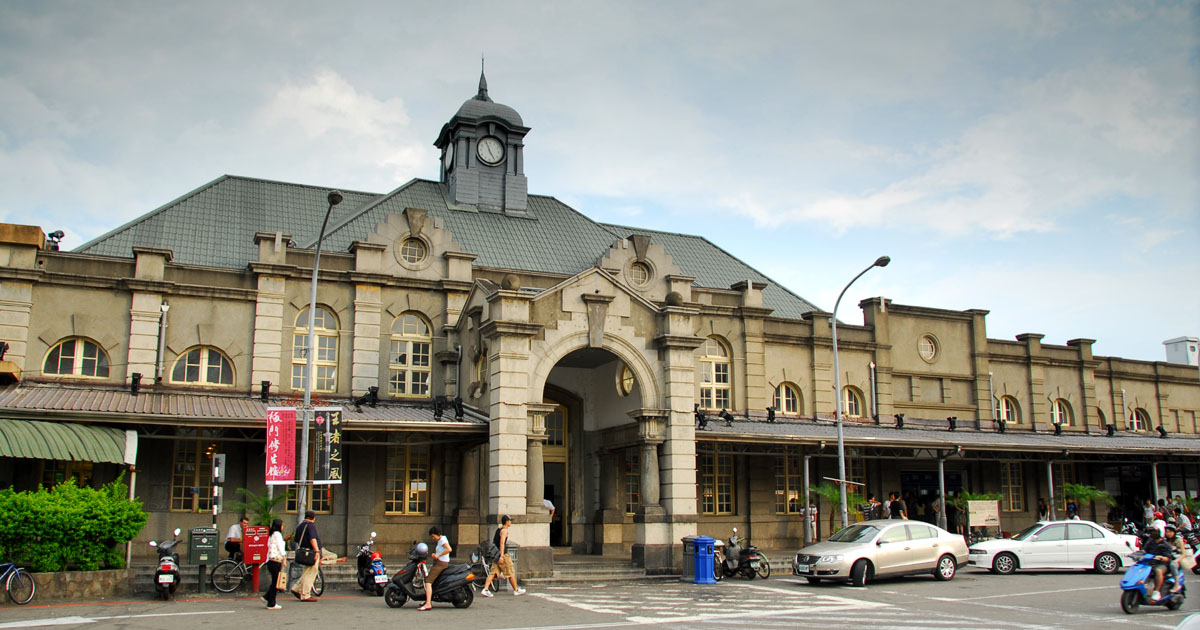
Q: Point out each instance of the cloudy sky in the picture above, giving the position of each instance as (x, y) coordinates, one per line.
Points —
(1039, 160)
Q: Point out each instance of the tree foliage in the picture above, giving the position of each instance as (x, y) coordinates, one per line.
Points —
(259, 507)
(69, 526)
(1083, 494)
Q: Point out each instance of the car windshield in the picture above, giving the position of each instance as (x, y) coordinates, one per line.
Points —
(1027, 532)
(855, 533)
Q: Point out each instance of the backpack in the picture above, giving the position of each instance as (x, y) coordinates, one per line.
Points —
(491, 552)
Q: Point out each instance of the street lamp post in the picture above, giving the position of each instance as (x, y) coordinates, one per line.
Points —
(334, 197)
(882, 261)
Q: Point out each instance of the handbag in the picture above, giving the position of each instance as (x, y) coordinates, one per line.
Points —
(281, 581)
(305, 555)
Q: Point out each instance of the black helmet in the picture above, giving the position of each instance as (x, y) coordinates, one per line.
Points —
(1171, 527)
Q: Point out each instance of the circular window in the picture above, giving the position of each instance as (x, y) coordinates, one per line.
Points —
(927, 347)
(639, 273)
(625, 381)
(412, 250)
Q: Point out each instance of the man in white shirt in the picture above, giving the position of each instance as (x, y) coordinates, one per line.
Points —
(441, 560)
(233, 538)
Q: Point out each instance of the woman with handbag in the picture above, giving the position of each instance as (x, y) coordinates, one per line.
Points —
(276, 560)
(307, 554)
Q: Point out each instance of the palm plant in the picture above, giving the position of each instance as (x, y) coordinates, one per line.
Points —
(961, 499)
(259, 507)
(1083, 494)
(830, 492)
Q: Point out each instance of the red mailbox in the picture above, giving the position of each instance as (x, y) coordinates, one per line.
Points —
(254, 544)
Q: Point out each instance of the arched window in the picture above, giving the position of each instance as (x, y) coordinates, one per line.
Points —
(852, 402)
(77, 356)
(409, 361)
(1009, 411)
(715, 378)
(1100, 415)
(325, 361)
(203, 365)
(787, 399)
(1140, 420)
(1060, 413)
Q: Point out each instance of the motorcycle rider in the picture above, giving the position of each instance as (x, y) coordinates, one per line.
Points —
(441, 560)
(1161, 554)
(1173, 538)
(1158, 523)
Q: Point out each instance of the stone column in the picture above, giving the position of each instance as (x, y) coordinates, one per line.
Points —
(535, 492)
(653, 546)
(875, 316)
(146, 311)
(466, 517)
(1085, 415)
(271, 271)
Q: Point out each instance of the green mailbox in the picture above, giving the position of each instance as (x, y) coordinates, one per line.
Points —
(202, 546)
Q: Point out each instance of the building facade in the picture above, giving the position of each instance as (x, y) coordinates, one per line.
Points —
(593, 363)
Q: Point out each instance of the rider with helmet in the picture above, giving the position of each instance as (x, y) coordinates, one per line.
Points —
(1174, 539)
(1158, 523)
(1161, 552)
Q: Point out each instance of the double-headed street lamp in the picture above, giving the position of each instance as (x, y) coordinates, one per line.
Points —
(882, 261)
(334, 197)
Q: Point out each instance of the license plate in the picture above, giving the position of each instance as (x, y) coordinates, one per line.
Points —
(802, 568)
(166, 578)
(381, 579)
(754, 564)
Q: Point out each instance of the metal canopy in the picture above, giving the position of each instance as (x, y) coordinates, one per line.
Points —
(63, 441)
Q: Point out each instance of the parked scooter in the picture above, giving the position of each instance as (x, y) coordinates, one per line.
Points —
(372, 576)
(1193, 541)
(736, 560)
(166, 578)
(453, 585)
(1138, 583)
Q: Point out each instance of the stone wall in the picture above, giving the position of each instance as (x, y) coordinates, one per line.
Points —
(82, 585)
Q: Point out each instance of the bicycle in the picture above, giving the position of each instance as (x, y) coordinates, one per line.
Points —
(18, 583)
(229, 575)
(294, 570)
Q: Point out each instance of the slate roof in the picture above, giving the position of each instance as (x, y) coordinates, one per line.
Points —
(970, 439)
(61, 401)
(214, 226)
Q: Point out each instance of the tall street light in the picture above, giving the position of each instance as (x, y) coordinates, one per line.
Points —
(334, 198)
(882, 261)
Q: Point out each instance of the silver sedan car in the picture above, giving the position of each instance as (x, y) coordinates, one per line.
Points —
(864, 551)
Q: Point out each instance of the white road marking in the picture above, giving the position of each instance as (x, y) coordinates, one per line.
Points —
(63, 621)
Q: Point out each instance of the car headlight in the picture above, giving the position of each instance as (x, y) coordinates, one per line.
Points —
(829, 559)
(977, 552)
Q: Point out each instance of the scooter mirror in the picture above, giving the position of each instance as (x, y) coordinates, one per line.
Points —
(153, 544)
(373, 534)
(735, 530)
(177, 531)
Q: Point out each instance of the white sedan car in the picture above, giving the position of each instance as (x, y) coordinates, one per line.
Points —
(1056, 545)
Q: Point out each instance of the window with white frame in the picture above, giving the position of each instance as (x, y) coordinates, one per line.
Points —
(789, 489)
(1009, 411)
(1140, 420)
(76, 356)
(1060, 413)
(408, 363)
(852, 402)
(715, 377)
(787, 399)
(191, 471)
(407, 489)
(203, 365)
(1012, 487)
(633, 480)
(325, 361)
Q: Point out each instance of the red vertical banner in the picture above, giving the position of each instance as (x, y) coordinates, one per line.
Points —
(281, 445)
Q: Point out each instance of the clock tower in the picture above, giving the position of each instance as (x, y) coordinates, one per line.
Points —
(483, 161)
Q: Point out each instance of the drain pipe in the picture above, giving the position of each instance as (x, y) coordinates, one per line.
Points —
(458, 373)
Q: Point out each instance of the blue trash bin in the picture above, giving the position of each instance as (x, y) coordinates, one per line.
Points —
(704, 560)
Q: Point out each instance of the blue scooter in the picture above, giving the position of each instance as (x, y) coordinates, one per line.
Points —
(1138, 584)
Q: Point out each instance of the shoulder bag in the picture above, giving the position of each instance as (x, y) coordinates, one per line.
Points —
(305, 554)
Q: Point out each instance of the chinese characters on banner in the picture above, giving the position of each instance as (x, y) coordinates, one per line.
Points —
(329, 428)
(281, 445)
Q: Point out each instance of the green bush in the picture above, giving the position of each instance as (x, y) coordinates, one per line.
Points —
(68, 526)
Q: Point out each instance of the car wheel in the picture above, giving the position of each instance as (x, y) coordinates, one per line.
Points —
(1005, 563)
(947, 566)
(859, 573)
(813, 580)
(1107, 563)
(1130, 600)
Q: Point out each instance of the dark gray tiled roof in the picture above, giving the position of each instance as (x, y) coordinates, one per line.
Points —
(970, 439)
(715, 268)
(214, 225)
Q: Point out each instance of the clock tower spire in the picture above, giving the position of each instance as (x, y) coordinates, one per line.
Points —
(483, 161)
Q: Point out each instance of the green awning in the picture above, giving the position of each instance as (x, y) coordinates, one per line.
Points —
(63, 441)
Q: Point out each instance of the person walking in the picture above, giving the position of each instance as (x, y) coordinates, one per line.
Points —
(441, 560)
(502, 567)
(306, 536)
(276, 561)
(897, 507)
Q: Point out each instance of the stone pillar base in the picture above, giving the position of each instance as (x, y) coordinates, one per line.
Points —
(466, 529)
(535, 562)
(610, 533)
(656, 559)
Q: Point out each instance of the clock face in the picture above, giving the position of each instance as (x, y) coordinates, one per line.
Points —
(491, 151)
(448, 158)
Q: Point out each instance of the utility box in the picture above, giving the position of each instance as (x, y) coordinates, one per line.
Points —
(202, 546)
(689, 558)
(704, 560)
(254, 544)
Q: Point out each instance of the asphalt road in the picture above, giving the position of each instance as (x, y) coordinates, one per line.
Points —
(974, 599)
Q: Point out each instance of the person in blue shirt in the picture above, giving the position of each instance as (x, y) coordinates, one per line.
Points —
(441, 560)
